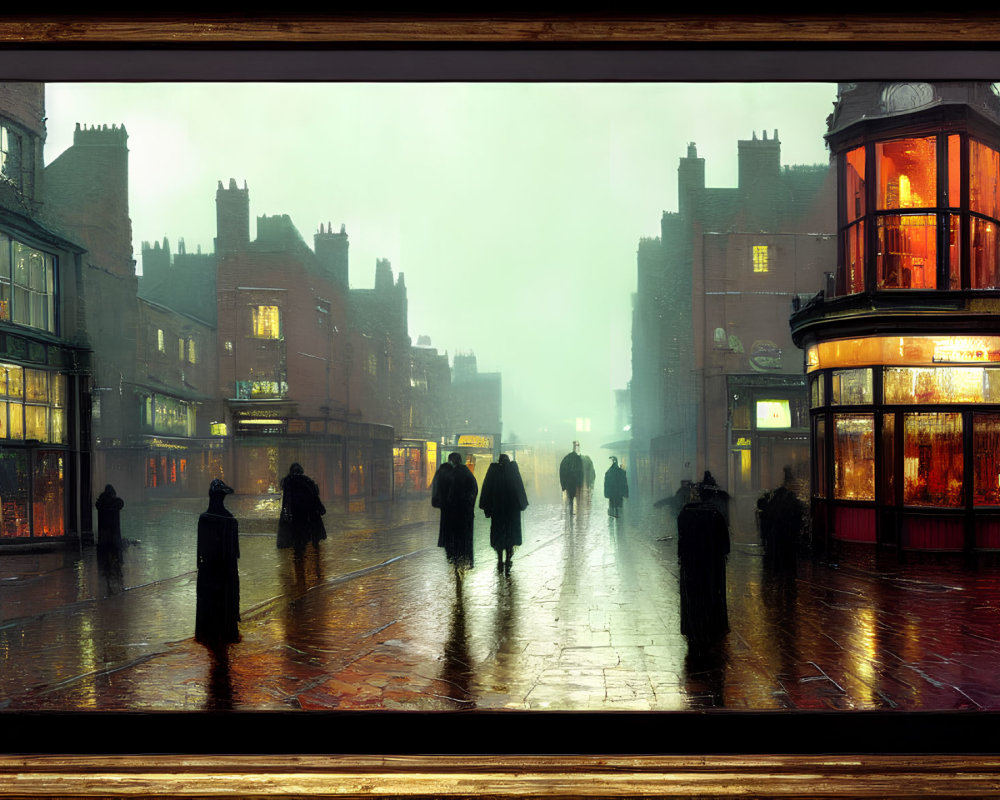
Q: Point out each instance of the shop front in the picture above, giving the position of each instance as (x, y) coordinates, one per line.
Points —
(903, 363)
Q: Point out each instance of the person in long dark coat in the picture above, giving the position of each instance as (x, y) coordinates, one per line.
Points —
(571, 474)
(710, 491)
(702, 548)
(615, 487)
(302, 511)
(109, 527)
(454, 490)
(782, 515)
(217, 613)
(502, 500)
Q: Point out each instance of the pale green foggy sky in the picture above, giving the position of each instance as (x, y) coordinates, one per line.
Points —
(514, 210)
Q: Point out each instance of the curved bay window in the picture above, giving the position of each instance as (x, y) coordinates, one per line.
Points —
(902, 214)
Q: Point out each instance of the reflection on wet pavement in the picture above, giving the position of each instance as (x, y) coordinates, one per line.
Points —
(586, 620)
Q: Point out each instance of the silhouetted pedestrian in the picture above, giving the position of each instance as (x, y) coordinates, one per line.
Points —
(218, 588)
(109, 526)
(615, 487)
(454, 490)
(302, 511)
(782, 516)
(571, 474)
(702, 548)
(502, 500)
(710, 491)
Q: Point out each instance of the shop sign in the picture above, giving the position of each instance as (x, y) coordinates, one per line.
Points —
(964, 350)
(474, 440)
(742, 443)
(765, 355)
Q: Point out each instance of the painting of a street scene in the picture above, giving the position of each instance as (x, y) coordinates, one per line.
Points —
(499, 396)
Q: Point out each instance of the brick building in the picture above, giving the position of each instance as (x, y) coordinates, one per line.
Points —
(45, 350)
(716, 382)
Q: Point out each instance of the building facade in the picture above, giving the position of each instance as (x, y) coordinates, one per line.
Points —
(716, 384)
(903, 358)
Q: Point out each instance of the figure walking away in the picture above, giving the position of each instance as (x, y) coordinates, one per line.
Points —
(571, 474)
(702, 548)
(615, 487)
(302, 511)
(710, 491)
(782, 517)
(454, 490)
(502, 500)
(109, 527)
(217, 613)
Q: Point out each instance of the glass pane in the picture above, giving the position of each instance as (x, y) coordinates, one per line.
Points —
(15, 419)
(907, 252)
(912, 385)
(855, 184)
(3, 420)
(986, 459)
(36, 386)
(57, 418)
(854, 257)
(15, 382)
(817, 392)
(932, 459)
(954, 253)
(852, 387)
(14, 493)
(954, 171)
(36, 423)
(907, 173)
(889, 458)
(854, 457)
(49, 505)
(985, 266)
(57, 387)
(984, 167)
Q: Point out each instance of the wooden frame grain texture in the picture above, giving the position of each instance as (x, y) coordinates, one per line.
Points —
(686, 755)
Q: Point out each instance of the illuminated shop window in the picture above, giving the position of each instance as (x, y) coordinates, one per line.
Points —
(888, 483)
(852, 387)
(48, 489)
(919, 385)
(854, 457)
(761, 258)
(983, 253)
(984, 168)
(266, 322)
(907, 251)
(192, 356)
(986, 459)
(932, 459)
(854, 251)
(32, 404)
(161, 342)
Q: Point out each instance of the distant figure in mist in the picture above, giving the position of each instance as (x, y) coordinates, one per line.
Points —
(454, 490)
(781, 515)
(571, 474)
(710, 491)
(615, 487)
(302, 511)
(109, 526)
(702, 548)
(502, 500)
(218, 588)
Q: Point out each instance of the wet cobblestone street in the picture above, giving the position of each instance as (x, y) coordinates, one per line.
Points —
(587, 620)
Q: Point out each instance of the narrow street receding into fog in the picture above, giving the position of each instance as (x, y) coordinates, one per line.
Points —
(587, 620)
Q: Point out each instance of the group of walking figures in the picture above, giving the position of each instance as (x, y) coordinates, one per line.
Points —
(576, 476)
(703, 546)
(454, 490)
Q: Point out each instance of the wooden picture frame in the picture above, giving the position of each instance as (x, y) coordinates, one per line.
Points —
(737, 754)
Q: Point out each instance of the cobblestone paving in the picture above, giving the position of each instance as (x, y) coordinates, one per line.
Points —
(587, 620)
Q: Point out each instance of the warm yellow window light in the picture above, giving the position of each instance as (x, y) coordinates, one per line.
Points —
(761, 258)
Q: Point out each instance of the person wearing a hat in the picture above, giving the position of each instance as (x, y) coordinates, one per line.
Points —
(217, 612)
